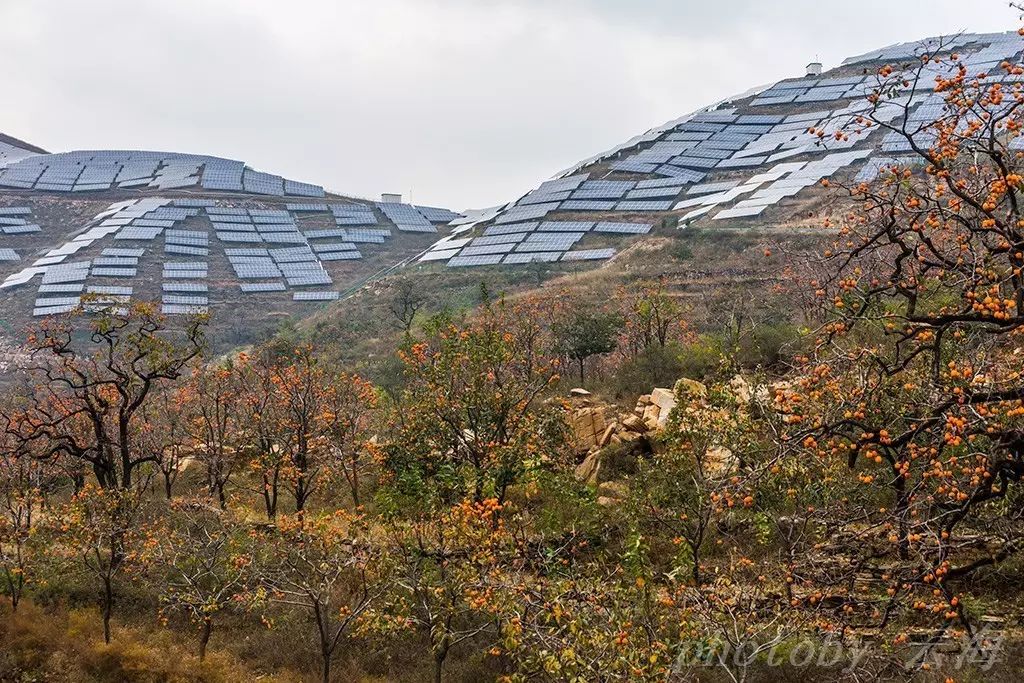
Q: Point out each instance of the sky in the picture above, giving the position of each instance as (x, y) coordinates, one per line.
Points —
(456, 103)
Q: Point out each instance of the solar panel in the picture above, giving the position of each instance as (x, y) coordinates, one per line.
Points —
(325, 247)
(668, 192)
(511, 238)
(72, 288)
(246, 252)
(519, 214)
(645, 205)
(185, 265)
(581, 205)
(185, 274)
(315, 296)
(186, 251)
(341, 256)
(114, 272)
(533, 257)
(258, 287)
(483, 250)
(307, 208)
(684, 174)
(175, 309)
(323, 234)
(549, 241)
(195, 287)
(114, 251)
(196, 203)
(109, 290)
(566, 226)
(589, 255)
(184, 300)
(438, 215)
(20, 229)
(115, 261)
(439, 255)
(9, 255)
(623, 228)
(468, 261)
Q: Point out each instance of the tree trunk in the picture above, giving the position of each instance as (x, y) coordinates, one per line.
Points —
(167, 485)
(439, 665)
(108, 606)
(270, 495)
(204, 638)
(327, 666)
(355, 481)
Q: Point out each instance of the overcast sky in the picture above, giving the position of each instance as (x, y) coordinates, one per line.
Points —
(460, 103)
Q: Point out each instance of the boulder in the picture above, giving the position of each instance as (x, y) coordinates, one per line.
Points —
(651, 415)
(579, 392)
(634, 424)
(588, 470)
(689, 387)
(588, 425)
(607, 436)
(742, 390)
(663, 398)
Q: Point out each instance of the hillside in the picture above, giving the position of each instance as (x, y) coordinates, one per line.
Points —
(738, 400)
(196, 233)
(756, 159)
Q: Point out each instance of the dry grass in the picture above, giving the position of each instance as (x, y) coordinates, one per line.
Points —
(63, 645)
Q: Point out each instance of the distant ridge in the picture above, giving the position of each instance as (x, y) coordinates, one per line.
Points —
(21, 144)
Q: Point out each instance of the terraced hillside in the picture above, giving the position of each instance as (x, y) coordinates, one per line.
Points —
(201, 233)
(758, 158)
(196, 233)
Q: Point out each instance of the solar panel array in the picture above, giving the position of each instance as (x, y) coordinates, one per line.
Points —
(732, 161)
(406, 217)
(267, 250)
(93, 171)
(17, 220)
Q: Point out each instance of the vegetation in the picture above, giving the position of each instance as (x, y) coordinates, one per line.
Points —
(838, 497)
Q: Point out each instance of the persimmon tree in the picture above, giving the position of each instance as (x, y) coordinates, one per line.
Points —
(24, 484)
(584, 334)
(406, 301)
(101, 528)
(163, 432)
(441, 564)
(566, 616)
(652, 318)
(318, 422)
(911, 401)
(348, 413)
(200, 557)
(325, 566)
(706, 472)
(300, 387)
(86, 406)
(88, 397)
(470, 419)
(258, 411)
(211, 405)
